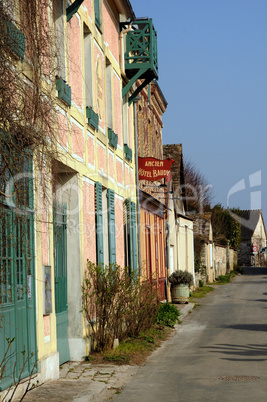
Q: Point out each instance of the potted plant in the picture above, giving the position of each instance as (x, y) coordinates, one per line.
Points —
(180, 284)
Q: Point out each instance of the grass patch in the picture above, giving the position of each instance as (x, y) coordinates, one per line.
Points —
(223, 279)
(134, 350)
(118, 358)
(201, 292)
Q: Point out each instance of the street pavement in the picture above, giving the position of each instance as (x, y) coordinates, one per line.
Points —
(82, 382)
(219, 353)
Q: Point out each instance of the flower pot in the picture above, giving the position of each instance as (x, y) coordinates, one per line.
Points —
(180, 293)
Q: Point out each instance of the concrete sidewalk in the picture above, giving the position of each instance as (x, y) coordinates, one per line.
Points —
(82, 381)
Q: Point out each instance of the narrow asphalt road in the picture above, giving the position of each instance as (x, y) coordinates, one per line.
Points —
(219, 353)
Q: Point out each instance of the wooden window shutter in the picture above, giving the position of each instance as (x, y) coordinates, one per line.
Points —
(111, 226)
(97, 13)
(131, 224)
(99, 224)
(133, 234)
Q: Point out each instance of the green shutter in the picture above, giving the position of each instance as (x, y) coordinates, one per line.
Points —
(131, 224)
(97, 13)
(111, 226)
(133, 234)
(99, 224)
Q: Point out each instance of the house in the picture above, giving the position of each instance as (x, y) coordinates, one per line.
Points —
(180, 225)
(75, 65)
(150, 109)
(204, 248)
(252, 250)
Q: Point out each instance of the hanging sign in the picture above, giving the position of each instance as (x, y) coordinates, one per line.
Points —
(153, 169)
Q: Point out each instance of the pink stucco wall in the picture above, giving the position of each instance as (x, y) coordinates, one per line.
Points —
(77, 141)
(132, 182)
(127, 177)
(117, 108)
(120, 258)
(119, 169)
(99, 90)
(75, 61)
(89, 222)
(102, 159)
(91, 150)
(88, 5)
(62, 130)
(111, 165)
(110, 30)
(46, 325)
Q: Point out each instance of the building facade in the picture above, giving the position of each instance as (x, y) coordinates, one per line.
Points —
(82, 204)
(150, 109)
(180, 224)
(252, 250)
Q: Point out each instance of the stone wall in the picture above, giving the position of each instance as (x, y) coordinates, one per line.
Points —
(224, 260)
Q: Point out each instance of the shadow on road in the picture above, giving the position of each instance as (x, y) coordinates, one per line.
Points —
(249, 352)
(248, 327)
(254, 270)
(257, 300)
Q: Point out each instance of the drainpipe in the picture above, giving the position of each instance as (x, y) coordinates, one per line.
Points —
(124, 31)
(167, 233)
(137, 184)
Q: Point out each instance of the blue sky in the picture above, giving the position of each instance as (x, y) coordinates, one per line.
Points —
(213, 73)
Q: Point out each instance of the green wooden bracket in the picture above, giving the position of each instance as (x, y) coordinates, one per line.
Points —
(73, 8)
(139, 89)
(128, 86)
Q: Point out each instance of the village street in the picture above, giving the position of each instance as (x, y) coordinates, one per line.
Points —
(219, 353)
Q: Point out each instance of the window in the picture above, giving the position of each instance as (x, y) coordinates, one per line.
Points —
(109, 94)
(105, 225)
(59, 27)
(88, 66)
(130, 235)
(97, 13)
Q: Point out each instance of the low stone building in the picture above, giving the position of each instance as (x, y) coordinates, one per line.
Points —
(252, 250)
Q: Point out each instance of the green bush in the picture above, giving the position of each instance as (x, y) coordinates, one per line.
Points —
(116, 305)
(201, 283)
(167, 315)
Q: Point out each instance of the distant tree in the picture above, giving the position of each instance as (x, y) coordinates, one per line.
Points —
(199, 193)
(225, 227)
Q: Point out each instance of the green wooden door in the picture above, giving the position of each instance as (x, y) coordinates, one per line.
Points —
(17, 296)
(61, 294)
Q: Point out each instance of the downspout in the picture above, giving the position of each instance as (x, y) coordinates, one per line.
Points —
(167, 231)
(193, 248)
(137, 185)
(124, 31)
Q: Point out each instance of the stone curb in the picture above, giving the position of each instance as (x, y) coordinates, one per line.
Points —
(185, 309)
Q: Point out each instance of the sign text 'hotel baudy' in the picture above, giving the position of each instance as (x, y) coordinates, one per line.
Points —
(153, 169)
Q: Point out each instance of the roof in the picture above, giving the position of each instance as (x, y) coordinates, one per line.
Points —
(125, 6)
(249, 220)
